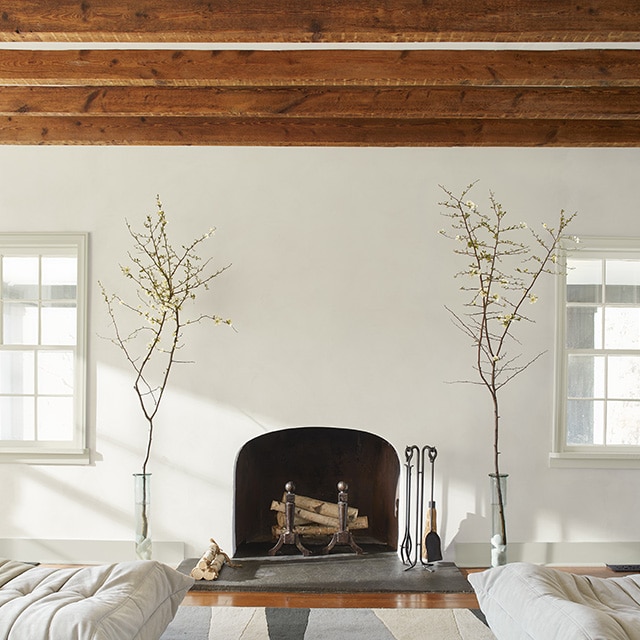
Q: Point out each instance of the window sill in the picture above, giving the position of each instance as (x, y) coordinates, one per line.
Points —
(76, 457)
(583, 460)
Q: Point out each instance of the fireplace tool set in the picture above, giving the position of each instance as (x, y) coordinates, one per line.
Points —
(422, 523)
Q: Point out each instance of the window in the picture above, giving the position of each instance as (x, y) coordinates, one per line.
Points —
(42, 347)
(598, 403)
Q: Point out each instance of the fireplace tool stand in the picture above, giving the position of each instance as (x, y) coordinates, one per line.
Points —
(289, 536)
(415, 515)
(343, 535)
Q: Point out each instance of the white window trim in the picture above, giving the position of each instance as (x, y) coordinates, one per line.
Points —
(591, 457)
(59, 453)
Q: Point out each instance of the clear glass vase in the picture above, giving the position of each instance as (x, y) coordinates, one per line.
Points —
(498, 545)
(142, 492)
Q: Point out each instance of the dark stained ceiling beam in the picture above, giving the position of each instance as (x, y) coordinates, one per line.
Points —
(320, 21)
(321, 97)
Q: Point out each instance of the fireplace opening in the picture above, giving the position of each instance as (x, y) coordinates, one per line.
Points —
(315, 459)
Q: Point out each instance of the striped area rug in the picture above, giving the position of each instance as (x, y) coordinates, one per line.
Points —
(257, 623)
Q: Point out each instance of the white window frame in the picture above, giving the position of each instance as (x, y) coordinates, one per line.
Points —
(585, 456)
(74, 451)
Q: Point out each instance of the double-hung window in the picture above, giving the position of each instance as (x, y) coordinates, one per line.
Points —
(598, 403)
(42, 347)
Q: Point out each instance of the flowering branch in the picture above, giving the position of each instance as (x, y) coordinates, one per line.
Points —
(500, 274)
(166, 279)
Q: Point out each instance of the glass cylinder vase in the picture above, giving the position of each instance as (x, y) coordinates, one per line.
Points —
(142, 492)
(498, 485)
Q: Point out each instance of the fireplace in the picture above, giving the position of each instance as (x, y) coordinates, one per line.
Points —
(315, 459)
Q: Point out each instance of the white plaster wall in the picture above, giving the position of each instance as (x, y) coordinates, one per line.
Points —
(337, 289)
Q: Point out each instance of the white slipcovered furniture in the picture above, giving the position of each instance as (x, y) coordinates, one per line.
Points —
(123, 601)
(528, 602)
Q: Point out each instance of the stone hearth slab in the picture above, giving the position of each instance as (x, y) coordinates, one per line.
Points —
(335, 573)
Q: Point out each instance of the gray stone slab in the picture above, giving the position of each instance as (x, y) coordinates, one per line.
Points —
(336, 573)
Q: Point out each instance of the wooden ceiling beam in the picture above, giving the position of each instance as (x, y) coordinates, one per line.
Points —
(619, 103)
(321, 97)
(319, 20)
(233, 68)
(101, 130)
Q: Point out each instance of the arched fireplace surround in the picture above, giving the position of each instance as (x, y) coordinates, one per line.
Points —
(316, 459)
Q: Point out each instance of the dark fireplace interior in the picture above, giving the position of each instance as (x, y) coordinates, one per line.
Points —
(315, 459)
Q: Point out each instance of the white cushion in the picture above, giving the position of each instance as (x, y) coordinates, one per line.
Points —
(127, 600)
(527, 602)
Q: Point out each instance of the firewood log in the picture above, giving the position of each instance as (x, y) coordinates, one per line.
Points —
(361, 522)
(216, 565)
(209, 574)
(197, 573)
(207, 558)
(281, 519)
(321, 507)
(307, 515)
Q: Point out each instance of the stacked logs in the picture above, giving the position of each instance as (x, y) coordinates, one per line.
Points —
(315, 517)
(211, 562)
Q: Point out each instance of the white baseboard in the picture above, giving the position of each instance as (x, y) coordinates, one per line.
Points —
(85, 551)
(470, 554)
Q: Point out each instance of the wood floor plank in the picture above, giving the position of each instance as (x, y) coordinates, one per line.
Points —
(359, 600)
(332, 600)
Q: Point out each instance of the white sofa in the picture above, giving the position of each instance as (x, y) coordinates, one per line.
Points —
(528, 602)
(123, 601)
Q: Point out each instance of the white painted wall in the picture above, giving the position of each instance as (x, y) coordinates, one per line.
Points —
(337, 289)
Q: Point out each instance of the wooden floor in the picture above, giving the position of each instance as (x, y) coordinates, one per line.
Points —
(368, 600)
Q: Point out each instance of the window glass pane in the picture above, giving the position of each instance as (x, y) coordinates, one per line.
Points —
(585, 422)
(624, 377)
(55, 419)
(586, 377)
(59, 278)
(584, 327)
(584, 280)
(16, 371)
(623, 281)
(20, 278)
(17, 418)
(622, 328)
(623, 423)
(59, 323)
(42, 348)
(20, 323)
(55, 372)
